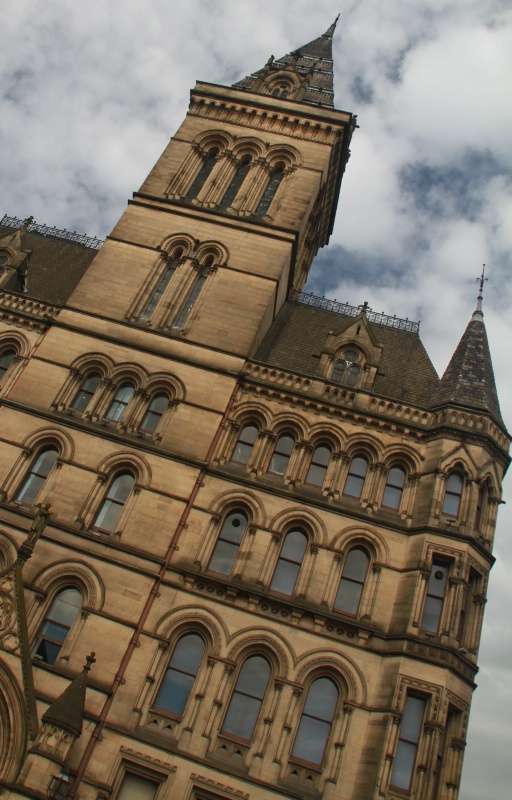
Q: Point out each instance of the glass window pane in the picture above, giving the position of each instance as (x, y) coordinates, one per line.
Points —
(316, 475)
(5, 361)
(438, 579)
(413, 716)
(134, 787)
(352, 375)
(175, 691)
(51, 630)
(65, 606)
(338, 371)
(356, 565)
(47, 652)
(30, 489)
(451, 504)
(108, 515)
(349, 594)
(278, 464)
(242, 715)
(121, 487)
(358, 466)
(285, 445)
(431, 614)
(159, 403)
(294, 546)
(285, 577)
(188, 653)
(403, 766)
(311, 739)
(391, 497)
(254, 676)
(322, 699)
(223, 557)
(241, 453)
(234, 527)
(353, 486)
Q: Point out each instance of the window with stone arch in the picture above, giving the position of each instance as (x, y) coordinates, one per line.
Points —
(113, 503)
(120, 401)
(244, 445)
(356, 477)
(236, 182)
(347, 368)
(282, 453)
(247, 698)
(210, 159)
(394, 488)
(172, 262)
(86, 390)
(7, 356)
(274, 181)
(193, 294)
(289, 563)
(316, 721)
(453, 493)
(40, 469)
(319, 465)
(158, 405)
(56, 625)
(180, 676)
(228, 541)
(352, 581)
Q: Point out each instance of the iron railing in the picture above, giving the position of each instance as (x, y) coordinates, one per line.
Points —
(56, 233)
(352, 311)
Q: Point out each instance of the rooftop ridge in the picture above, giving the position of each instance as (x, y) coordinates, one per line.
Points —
(379, 318)
(55, 233)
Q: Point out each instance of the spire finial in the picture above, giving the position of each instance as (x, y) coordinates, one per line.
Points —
(90, 661)
(478, 314)
(330, 30)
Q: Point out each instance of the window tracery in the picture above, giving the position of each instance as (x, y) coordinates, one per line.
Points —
(347, 369)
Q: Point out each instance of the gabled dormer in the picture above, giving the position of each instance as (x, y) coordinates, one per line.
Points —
(351, 354)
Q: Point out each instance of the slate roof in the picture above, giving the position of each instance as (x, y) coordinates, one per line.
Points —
(55, 267)
(67, 711)
(469, 377)
(316, 56)
(299, 333)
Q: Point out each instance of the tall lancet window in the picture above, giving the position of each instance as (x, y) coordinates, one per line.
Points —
(236, 182)
(203, 174)
(272, 186)
(193, 294)
(161, 286)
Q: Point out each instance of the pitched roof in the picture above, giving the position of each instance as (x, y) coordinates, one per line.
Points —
(299, 333)
(313, 60)
(469, 377)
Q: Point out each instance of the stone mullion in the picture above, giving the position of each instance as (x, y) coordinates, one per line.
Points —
(370, 593)
(306, 572)
(166, 299)
(219, 700)
(392, 735)
(226, 172)
(84, 518)
(270, 560)
(335, 752)
(453, 772)
(343, 472)
(287, 726)
(438, 495)
(105, 392)
(428, 746)
(207, 543)
(302, 462)
(190, 273)
(238, 203)
(290, 473)
(332, 580)
(142, 297)
(475, 630)
(263, 448)
(124, 423)
(281, 193)
(452, 606)
(228, 439)
(126, 512)
(489, 524)
(371, 484)
(330, 476)
(140, 404)
(152, 677)
(465, 502)
(179, 185)
(409, 494)
(70, 388)
(244, 551)
(260, 742)
(419, 600)
(199, 696)
(261, 178)
(209, 186)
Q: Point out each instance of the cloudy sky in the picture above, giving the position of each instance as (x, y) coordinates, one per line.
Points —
(92, 91)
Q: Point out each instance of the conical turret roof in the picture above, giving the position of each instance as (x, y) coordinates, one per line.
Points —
(312, 62)
(469, 377)
(67, 711)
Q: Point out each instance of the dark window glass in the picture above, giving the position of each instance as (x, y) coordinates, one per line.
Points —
(247, 698)
(352, 375)
(245, 443)
(56, 625)
(315, 722)
(482, 495)
(135, 787)
(161, 286)
(356, 475)
(269, 193)
(407, 749)
(118, 405)
(346, 370)
(318, 466)
(203, 174)
(114, 502)
(236, 182)
(6, 360)
(193, 295)
(84, 395)
(156, 409)
(37, 476)
(436, 591)
(352, 581)
(394, 488)
(281, 455)
(453, 494)
(228, 543)
(181, 674)
(289, 562)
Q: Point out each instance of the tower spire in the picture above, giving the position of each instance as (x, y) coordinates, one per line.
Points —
(478, 314)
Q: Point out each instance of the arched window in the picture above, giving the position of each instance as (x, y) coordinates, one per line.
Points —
(408, 742)
(289, 562)
(268, 195)
(453, 494)
(245, 443)
(52, 633)
(318, 465)
(347, 370)
(281, 455)
(6, 359)
(228, 543)
(114, 502)
(352, 581)
(394, 488)
(181, 674)
(247, 697)
(161, 286)
(118, 405)
(355, 478)
(35, 480)
(203, 174)
(316, 721)
(84, 395)
(193, 294)
(155, 411)
(436, 591)
(236, 182)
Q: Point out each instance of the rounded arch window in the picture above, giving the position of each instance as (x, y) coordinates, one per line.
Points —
(36, 478)
(394, 488)
(86, 391)
(245, 443)
(6, 359)
(316, 721)
(275, 178)
(121, 399)
(347, 369)
(181, 674)
(247, 698)
(318, 465)
(356, 476)
(282, 453)
(228, 543)
(453, 494)
(289, 562)
(114, 502)
(203, 174)
(352, 581)
(55, 628)
(238, 178)
(155, 411)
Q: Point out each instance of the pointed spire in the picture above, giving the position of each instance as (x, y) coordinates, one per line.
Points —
(469, 377)
(67, 711)
(313, 65)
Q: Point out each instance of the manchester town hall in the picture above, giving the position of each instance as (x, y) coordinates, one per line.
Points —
(245, 532)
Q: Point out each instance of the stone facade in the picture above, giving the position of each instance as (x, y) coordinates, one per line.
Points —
(272, 523)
